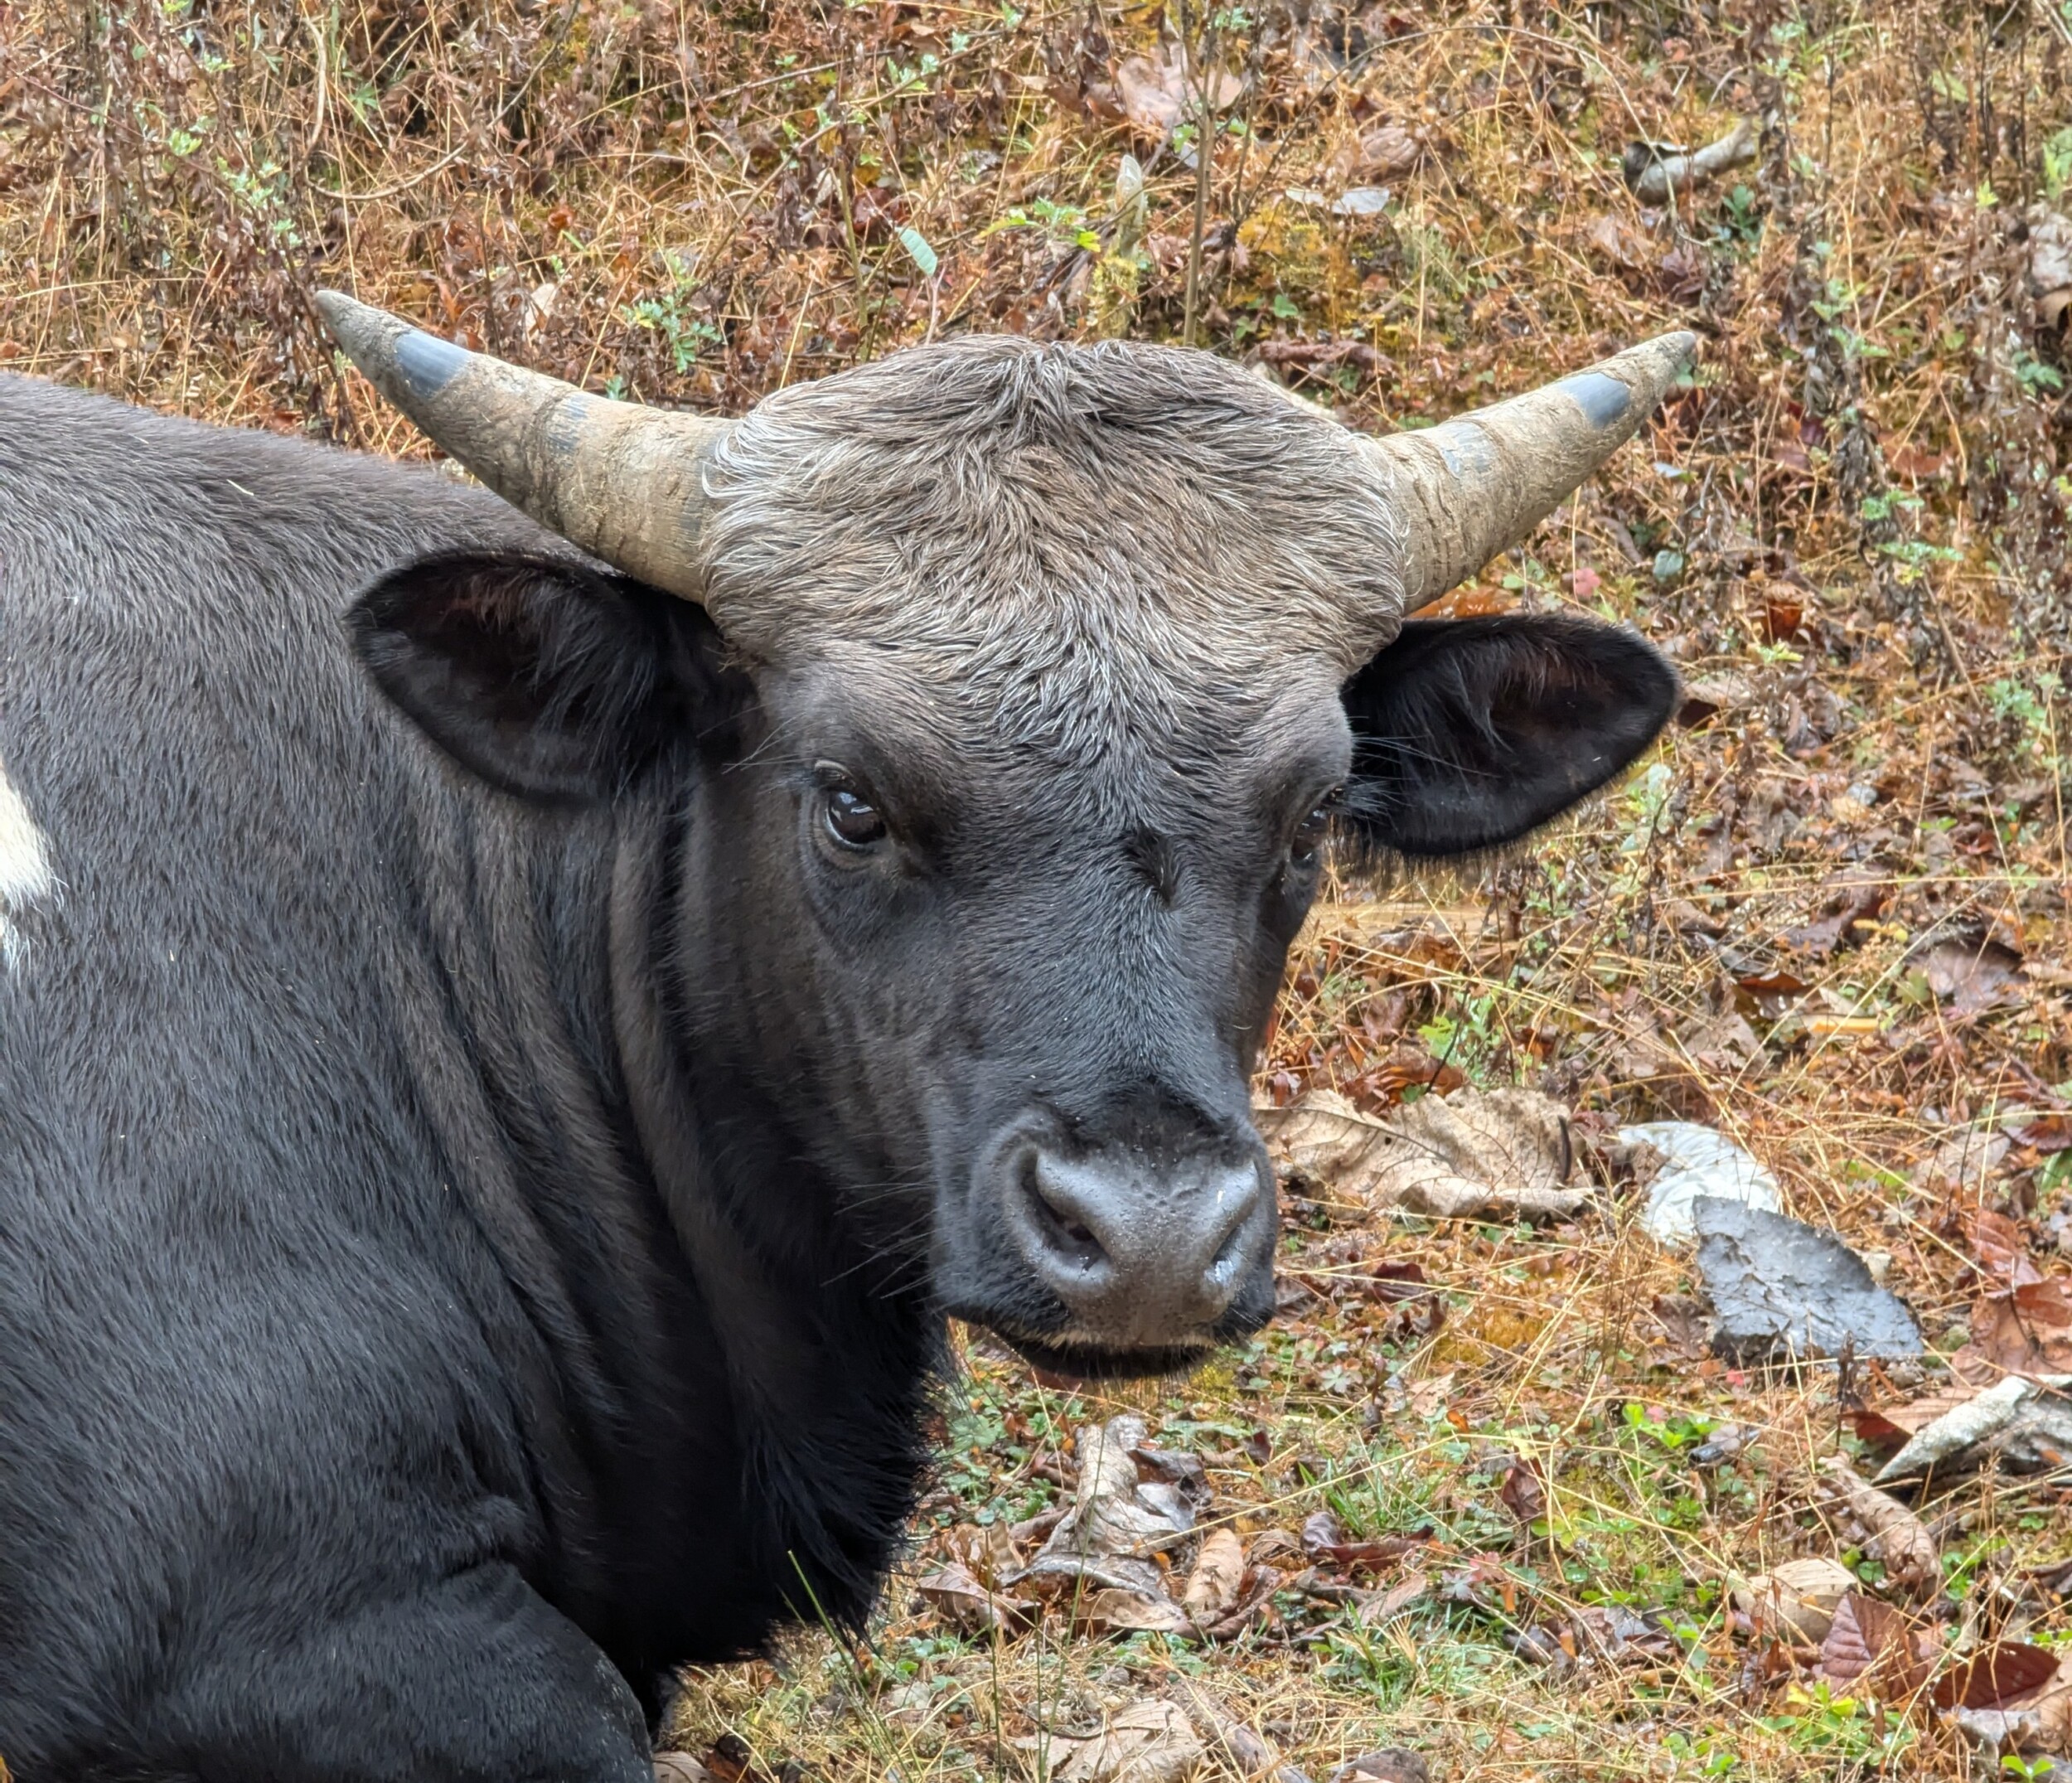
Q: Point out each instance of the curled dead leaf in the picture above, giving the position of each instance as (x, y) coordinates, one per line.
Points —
(1504, 1154)
(1217, 1579)
(954, 1593)
(1890, 1532)
(2027, 1330)
(1993, 1674)
(1796, 1599)
(1147, 1743)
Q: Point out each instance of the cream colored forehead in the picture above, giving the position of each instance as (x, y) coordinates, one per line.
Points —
(1126, 516)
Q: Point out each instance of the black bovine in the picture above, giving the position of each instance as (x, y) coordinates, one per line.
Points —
(499, 1086)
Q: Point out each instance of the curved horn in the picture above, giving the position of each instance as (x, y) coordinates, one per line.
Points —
(1476, 485)
(620, 481)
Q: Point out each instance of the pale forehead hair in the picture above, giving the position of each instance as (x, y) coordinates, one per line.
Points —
(1065, 544)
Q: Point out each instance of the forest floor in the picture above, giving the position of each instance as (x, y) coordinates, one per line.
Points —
(1485, 1490)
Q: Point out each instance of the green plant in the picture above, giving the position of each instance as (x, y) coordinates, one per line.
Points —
(667, 314)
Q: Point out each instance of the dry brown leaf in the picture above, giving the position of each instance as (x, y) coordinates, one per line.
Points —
(1796, 1599)
(2026, 1425)
(1474, 1155)
(1148, 1742)
(1890, 1532)
(1248, 1754)
(954, 1593)
(1112, 1610)
(1381, 1605)
(1217, 1579)
(1990, 1676)
(1970, 975)
(1396, 1764)
(1962, 1164)
(2050, 1706)
(1996, 1240)
(1893, 1425)
(991, 1551)
(1324, 1539)
(1158, 91)
(1114, 1518)
(1865, 1636)
(1381, 154)
(2027, 1330)
(1615, 239)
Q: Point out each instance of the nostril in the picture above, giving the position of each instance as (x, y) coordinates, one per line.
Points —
(1057, 1219)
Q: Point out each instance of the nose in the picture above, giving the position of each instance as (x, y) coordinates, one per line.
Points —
(1141, 1253)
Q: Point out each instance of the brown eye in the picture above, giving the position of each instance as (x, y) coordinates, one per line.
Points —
(852, 820)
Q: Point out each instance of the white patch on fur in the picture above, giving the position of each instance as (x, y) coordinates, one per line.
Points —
(26, 878)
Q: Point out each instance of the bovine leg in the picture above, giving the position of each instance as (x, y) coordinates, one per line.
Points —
(476, 1680)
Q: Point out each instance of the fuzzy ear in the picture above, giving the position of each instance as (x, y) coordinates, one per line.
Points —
(550, 681)
(1470, 732)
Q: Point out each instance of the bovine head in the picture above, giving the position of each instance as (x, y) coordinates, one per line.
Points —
(1052, 668)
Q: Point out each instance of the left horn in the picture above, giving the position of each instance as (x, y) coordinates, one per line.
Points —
(1476, 485)
(623, 482)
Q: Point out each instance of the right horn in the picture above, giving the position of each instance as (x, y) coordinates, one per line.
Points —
(1475, 485)
(623, 482)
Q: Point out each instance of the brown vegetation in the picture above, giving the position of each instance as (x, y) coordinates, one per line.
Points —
(1829, 917)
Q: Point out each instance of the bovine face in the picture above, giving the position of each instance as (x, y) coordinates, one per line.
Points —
(1024, 1001)
(1005, 997)
(1043, 677)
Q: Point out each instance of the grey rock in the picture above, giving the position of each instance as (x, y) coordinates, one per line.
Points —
(1778, 1285)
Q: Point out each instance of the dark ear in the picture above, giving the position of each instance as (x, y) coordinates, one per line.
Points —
(553, 682)
(1468, 732)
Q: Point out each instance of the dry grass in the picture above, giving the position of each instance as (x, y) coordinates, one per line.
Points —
(1856, 518)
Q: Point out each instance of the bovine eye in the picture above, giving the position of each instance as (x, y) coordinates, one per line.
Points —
(1309, 833)
(851, 819)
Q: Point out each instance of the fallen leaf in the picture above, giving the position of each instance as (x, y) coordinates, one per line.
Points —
(1397, 1598)
(2048, 1707)
(1797, 1599)
(1989, 1677)
(1158, 92)
(1395, 1764)
(1524, 1492)
(1260, 1583)
(955, 1594)
(1657, 172)
(1114, 1514)
(1148, 1742)
(679, 1767)
(1972, 977)
(1322, 1539)
(1501, 1154)
(1840, 928)
(2028, 1427)
(1996, 1240)
(1705, 699)
(1118, 1610)
(1380, 154)
(1615, 239)
(1891, 1532)
(1217, 1579)
(992, 1551)
(1891, 1426)
(1865, 1636)
(2027, 1330)
(1248, 1754)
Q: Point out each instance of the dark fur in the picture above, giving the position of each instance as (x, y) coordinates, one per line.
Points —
(463, 1255)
